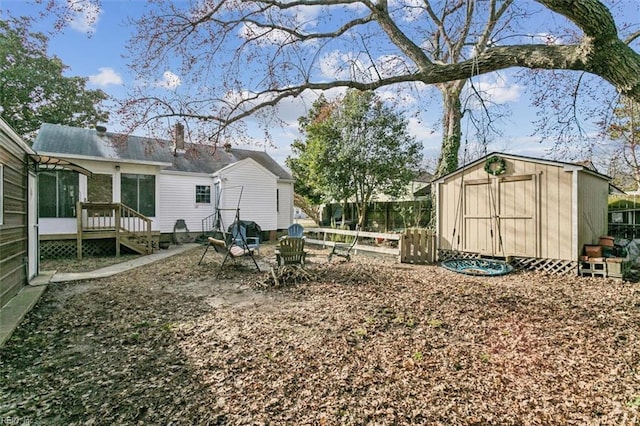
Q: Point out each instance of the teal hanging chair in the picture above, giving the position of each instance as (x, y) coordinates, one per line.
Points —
(482, 267)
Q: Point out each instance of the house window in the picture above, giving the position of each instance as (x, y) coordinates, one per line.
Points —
(203, 194)
(57, 193)
(139, 193)
(1, 195)
(99, 189)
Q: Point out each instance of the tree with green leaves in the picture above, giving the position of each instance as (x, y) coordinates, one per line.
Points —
(355, 148)
(33, 89)
(307, 161)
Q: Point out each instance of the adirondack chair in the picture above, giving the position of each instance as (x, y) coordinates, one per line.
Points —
(295, 230)
(344, 249)
(290, 251)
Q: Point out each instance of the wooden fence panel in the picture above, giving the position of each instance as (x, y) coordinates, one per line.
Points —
(417, 246)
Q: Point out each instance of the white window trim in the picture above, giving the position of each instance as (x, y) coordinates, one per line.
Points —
(195, 195)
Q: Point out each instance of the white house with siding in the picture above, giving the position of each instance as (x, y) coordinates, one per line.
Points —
(165, 180)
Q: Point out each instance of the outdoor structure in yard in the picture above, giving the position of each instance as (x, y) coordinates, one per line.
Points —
(539, 213)
(19, 249)
(162, 187)
(18, 218)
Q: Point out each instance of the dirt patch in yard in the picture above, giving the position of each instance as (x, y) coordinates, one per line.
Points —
(88, 263)
(364, 342)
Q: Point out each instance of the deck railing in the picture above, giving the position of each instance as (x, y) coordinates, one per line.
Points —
(109, 219)
(209, 223)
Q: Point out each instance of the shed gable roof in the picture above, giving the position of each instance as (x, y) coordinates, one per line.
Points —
(572, 166)
(197, 158)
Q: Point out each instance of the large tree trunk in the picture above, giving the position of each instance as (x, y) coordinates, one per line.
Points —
(451, 135)
(451, 127)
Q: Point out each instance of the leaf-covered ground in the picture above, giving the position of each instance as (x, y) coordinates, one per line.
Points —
(365, 342)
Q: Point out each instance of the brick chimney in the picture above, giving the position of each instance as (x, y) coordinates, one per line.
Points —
(179, 139)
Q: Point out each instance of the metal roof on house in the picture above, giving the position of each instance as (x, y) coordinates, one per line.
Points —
(197, 158)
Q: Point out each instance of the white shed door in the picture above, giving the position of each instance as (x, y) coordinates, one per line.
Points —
(500, 216)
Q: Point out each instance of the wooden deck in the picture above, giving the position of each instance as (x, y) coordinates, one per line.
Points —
(116, 221)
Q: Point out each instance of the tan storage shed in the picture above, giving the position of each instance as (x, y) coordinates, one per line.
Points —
(18, 218)
(504, 205)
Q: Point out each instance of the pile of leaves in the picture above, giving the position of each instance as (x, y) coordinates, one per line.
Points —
(366, 341)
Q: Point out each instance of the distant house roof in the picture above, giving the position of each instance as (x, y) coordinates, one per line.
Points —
(197, 158)
(424, 176)
(588, 164)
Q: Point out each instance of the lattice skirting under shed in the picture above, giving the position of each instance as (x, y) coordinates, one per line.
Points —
(67, 249)
(444, 254)
(551, 266)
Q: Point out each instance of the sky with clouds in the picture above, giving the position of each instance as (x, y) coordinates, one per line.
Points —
(95, 41)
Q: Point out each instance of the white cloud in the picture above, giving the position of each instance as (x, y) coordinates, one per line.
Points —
(422, 132)
(329, 65)
(350, 66)
(291, 109)
(263, 36)
(401, 97)
(306, 17)
(105, 77)
(407, 10)
(83, 16)
(498, 89)
(547, 38)
(390, 65)
(169, 81)
(344, 66)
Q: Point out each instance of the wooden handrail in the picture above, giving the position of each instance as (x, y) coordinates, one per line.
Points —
(133, 221)
(114, 217)
(208, 223)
